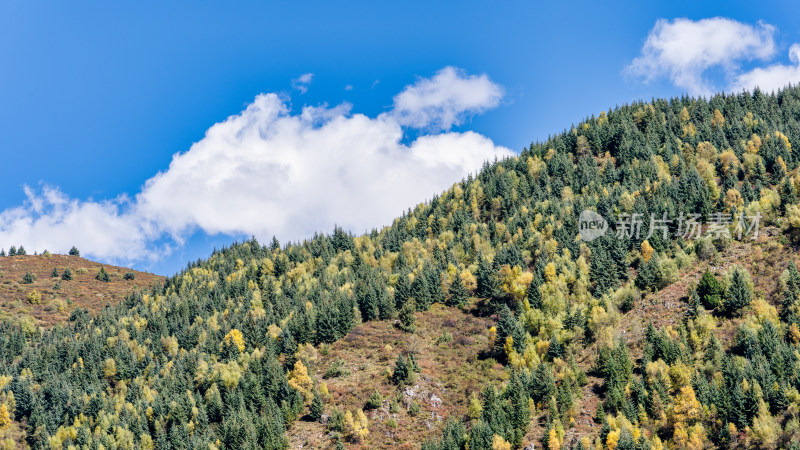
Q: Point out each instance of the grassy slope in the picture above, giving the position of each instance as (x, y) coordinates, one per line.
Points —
(82, 291)
(449, 370)
(452, 371)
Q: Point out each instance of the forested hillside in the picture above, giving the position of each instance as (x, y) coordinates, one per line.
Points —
(224, 354)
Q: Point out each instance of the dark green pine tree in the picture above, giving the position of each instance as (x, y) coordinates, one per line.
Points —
(434, 282)
(317, 407)
(12, 251)
(421, 293)
(367, 300)
(402, 372)
(54, 273)
(736, 407)
(488, 285)
(790, 309)
(555, 349)
(508, 326)
(480, 436)
(271, 429)
(649, 276)
(458, 293)
(386, 308)
(74, 251)
(327, 324)
(402, 290)
(518, 410)
(788, 194)
(288, 346)
(102, 275)
(28, 278)
(693, 305)
(494, 413)
(542, 383)
(709, 290)
(407, 317)
(738, 295)
(603, 268)
(534, 294)
(778, 173)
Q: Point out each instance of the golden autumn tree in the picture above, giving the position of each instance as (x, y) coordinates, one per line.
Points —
(717, 120)
(514, 281)
(5, 417)
(498, 443)
(647, 251)
(299, 379)
(234, 339)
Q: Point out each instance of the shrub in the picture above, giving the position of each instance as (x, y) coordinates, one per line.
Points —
(704, 249)
(102, 275)
(627, 303)
(34, 297)
(81, 271)
(413, 408)
(129, 276)
(28, 278)
(375, 400)
(444, 338)
(336, 421)
(336, 370)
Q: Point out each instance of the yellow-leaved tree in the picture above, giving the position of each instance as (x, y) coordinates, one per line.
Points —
(514, 281)
(235, 339)
(498, 443)
(647, 251)
(5, 417)
(299, 379)
(356, 425)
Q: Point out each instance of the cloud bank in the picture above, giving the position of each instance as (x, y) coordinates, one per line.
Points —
(685, 51)
(269, 171)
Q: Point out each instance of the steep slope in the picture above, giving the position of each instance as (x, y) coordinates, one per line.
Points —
(447, 346)
(219, 356)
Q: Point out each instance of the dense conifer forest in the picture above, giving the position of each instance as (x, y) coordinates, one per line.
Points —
(217, 357)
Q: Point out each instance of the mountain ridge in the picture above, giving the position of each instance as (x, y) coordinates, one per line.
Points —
(229, 352)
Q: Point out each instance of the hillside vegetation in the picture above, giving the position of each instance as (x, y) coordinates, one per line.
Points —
(34, 289)
(485, 298)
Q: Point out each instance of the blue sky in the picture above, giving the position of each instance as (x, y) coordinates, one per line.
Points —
(97, 97)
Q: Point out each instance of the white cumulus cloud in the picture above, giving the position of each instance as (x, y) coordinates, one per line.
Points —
(49, 219)
(445, 100)
(271, 171)
(684, 50)
(773, 77)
